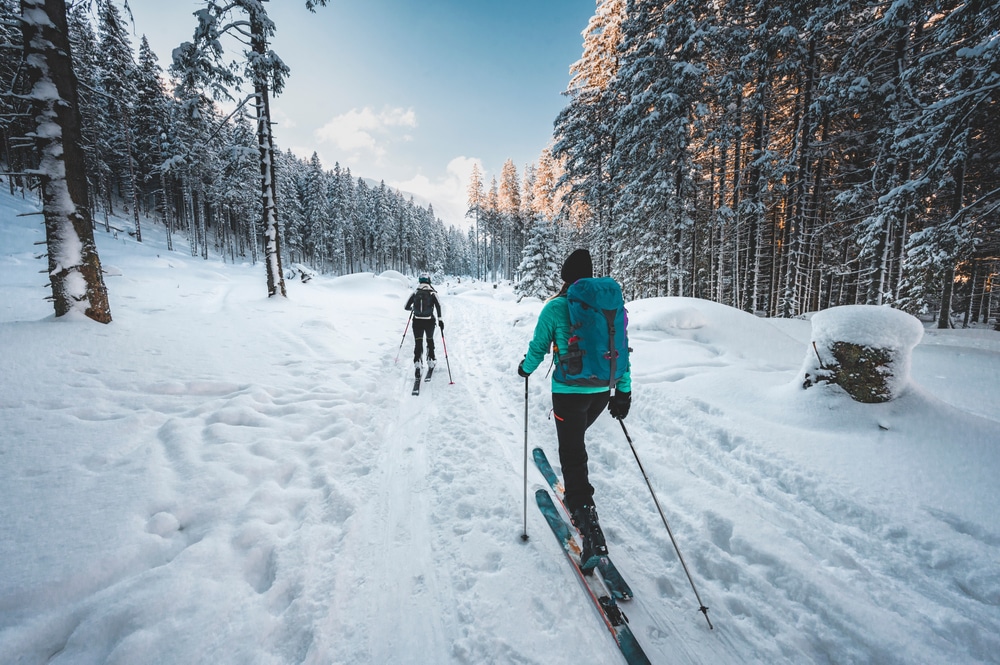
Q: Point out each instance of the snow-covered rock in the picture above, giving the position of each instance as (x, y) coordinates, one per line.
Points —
(864, 349)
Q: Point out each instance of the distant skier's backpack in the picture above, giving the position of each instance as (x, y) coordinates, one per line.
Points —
(423, 304)
(598, 342)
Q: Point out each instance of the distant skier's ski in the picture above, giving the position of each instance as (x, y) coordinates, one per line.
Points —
(614, 619)
(416, 381)
(616, 583)
(430, 373)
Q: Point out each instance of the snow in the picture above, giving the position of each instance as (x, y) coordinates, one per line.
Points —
(221, 477)
(867, 325)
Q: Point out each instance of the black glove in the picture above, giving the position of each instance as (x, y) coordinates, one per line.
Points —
(520, 370)
(440, 324)
(619, 404)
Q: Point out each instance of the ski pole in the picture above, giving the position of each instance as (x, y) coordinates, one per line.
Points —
(524, 533)
(404, 337)
(445, 345)
(701, 608)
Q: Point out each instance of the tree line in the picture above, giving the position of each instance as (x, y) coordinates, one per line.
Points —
(157, 145)
(522, 225)
(780, 158)
(788, 157)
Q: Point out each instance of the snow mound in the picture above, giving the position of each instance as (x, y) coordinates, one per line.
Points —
(682, 318)
(718, 329)
(396, 276)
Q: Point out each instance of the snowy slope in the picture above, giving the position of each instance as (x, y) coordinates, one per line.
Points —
(216, 477)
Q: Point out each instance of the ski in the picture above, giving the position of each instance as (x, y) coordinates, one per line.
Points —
(616, 583)
(416, 381)
(614, 619)
(430, 373)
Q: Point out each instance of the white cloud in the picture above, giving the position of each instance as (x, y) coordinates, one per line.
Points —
(282, 119)
(448, 192)
(361, 131)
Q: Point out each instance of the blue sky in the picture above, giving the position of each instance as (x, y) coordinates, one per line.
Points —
(411, 91)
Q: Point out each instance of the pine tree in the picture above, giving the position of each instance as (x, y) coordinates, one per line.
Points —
(203, 60)
(491, 223)
(74, 266)
(662, 77)
(476, 197)
(584, 131)
(315, 212)
(334, 231)
(342, 209)
(117, 94)
(151, 126)
(510, 212)
(86, 67)
(545, 199)
(539, 268)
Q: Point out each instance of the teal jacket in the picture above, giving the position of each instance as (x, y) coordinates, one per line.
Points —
(553, 328)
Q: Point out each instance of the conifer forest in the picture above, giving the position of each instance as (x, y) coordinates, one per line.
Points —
(777, 157)
(786, 157)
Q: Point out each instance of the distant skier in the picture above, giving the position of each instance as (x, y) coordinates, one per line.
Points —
(423, 304)
(576, 405)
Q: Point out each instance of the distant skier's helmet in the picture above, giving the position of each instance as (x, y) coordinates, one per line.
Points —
(425, 279)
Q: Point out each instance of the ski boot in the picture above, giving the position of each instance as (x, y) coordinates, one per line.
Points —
(594, 546)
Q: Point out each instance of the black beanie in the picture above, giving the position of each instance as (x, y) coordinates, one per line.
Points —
(577, 266)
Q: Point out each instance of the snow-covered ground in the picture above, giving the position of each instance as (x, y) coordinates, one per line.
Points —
(216, 477)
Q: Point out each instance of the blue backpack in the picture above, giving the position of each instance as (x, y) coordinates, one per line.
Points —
(598, 353)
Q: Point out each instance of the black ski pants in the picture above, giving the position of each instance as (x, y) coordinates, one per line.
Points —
(574, 413)
(421, 328)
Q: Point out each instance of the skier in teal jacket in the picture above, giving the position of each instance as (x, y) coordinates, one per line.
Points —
(575, 408)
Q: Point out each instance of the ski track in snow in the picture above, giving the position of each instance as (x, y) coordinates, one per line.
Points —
(391, 532)
(801, 541)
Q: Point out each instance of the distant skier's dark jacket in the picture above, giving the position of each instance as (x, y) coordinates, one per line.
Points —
(431, 295)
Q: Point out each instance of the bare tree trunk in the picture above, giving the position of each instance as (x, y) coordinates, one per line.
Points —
(74, 266)
(133, 184)
(944, 318)
(165, 211)
(268, 188)
(755, 195)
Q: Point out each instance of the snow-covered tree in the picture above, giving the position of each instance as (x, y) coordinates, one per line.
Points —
(509, 203)
(584, 131)
(87, 67)
(151, 119)
(475, 199)
(115, 100)
(540, 261)
(74, 267)
(247, 20)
